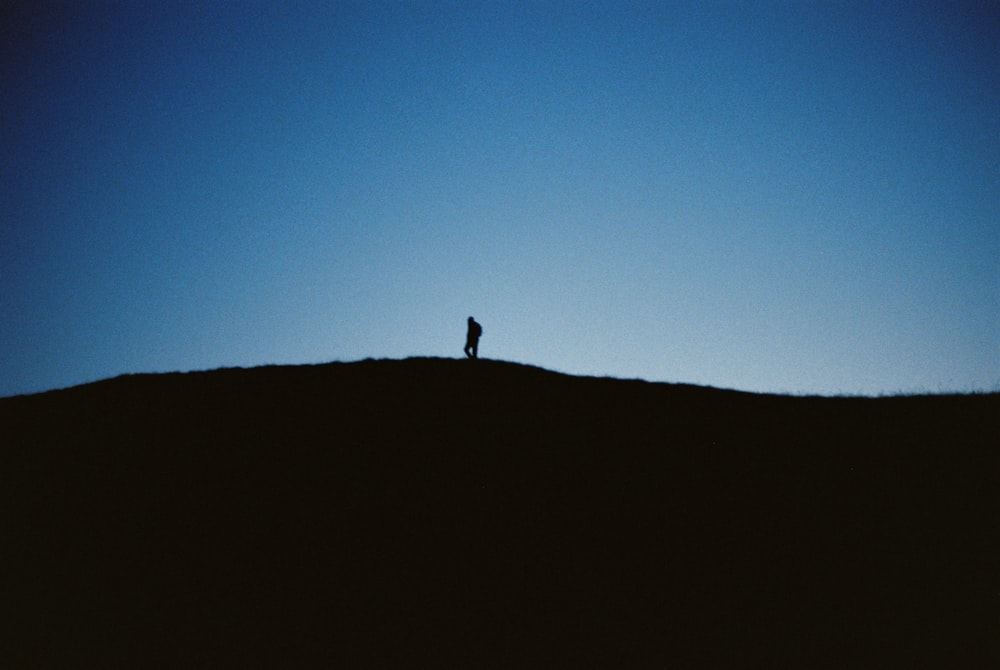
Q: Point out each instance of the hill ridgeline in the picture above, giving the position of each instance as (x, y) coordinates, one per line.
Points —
(482, 514)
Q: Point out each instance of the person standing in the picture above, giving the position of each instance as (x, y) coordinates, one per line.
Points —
(472, 339)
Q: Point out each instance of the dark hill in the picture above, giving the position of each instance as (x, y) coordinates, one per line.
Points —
(442, 513)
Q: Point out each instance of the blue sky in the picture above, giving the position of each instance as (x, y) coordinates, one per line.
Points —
(795, 197)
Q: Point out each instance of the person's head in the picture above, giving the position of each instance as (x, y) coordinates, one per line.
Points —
(471, 319)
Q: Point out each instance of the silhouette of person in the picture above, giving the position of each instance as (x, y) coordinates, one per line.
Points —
(472, 339)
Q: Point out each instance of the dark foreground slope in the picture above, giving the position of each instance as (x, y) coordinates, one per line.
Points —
(439, 513)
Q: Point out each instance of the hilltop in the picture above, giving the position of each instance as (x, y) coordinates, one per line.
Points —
(451, 513)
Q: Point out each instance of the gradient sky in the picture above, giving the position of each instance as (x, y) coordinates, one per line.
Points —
(795, 197)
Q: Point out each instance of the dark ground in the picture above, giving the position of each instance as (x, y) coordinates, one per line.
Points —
(477, 514)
